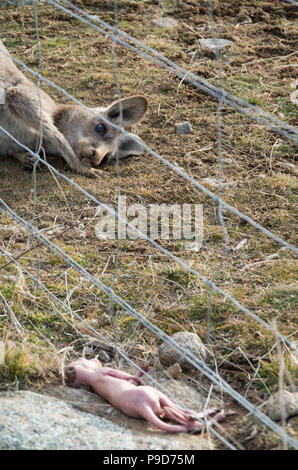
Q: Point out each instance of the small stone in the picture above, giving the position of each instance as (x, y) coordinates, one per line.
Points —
(183, 128)
(213, 44)
(169, 355)
(283, 400)
(102, 345)
(29, 421)
(292, 426)
(294, 97)
(165, 23)
(227, 161)
(216, 184)
(240, 244)
(2, 353)
(174, 371)
(294, 94)
(194, 246)
(136, 350)
(104, 319)
(290, 166)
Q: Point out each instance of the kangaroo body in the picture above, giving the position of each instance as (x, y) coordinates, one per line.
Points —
(69, 131)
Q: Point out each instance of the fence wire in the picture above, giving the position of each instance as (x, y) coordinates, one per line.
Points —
(219, 93)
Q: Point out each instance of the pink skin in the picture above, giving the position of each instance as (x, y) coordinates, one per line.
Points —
(128, 393)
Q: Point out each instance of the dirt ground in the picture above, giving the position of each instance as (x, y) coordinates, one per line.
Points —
(260, 66)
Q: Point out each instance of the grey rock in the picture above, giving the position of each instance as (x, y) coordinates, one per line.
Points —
(169, 355)
(31, 421)
(15, 3)
(294, 94)
(283, 400)
(227, 160)
(183, 128)
(213, 44)
(103, 345)
(103, 356)
(165, 22)
(214, 183)
(290, 166)
(174, 371)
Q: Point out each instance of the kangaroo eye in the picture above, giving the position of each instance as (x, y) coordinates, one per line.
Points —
(101, 129)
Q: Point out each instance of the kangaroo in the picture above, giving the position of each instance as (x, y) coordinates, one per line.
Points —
(129, 394)
(69, 130)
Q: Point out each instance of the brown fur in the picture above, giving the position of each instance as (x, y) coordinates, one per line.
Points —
(128, 393)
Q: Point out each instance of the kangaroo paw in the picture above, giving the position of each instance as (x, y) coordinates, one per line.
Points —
(29, 161)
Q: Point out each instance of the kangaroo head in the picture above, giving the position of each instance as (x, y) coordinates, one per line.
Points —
(89, 136)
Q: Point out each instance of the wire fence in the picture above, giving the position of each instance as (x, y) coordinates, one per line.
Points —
(264, 118)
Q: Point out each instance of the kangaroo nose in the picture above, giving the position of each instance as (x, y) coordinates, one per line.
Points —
(100, 155)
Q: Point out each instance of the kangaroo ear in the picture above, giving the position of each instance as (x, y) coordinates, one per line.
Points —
(133, 109)
(128, 146)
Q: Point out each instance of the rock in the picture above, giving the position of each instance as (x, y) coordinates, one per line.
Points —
(174, 371)
(168, 354)
(165, 22)
(104, 319)
(280, 400)
(240, 244)
(99, 348)
(98, 345)
(214, 183)
(194, 246)
(2, 353)
(94, 17)
(183, 128)
(227, 161)
(186, 395)
(30, 421)
(292, 426)
(16, 3)
(213, 44)
(289, 166)
(294, 97)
